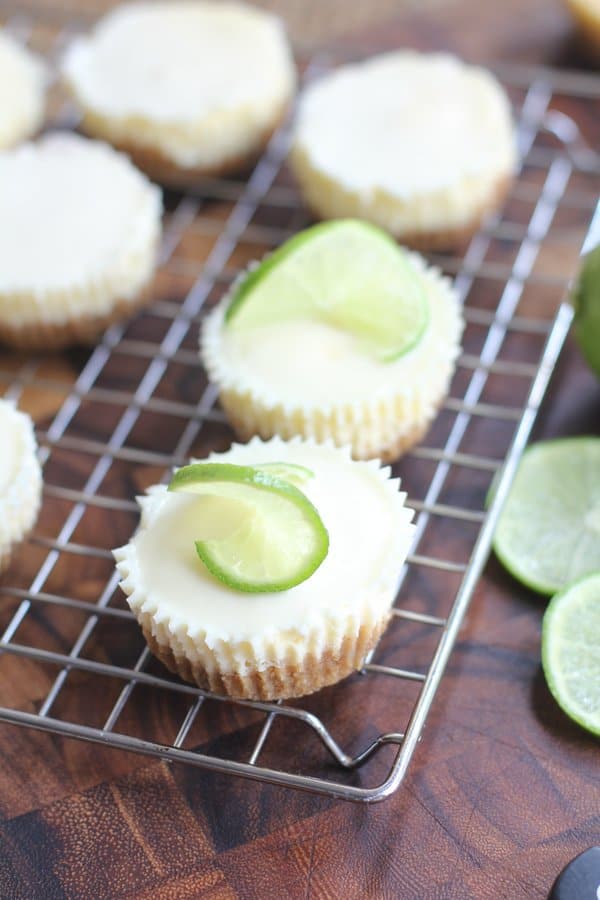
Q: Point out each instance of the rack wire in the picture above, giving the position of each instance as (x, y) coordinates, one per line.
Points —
(141, 405)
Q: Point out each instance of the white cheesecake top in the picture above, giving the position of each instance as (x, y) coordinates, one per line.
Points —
(181, 61)
(369, 534)
(406, 123)
(73, 212)
(303, 363)
(22, 89)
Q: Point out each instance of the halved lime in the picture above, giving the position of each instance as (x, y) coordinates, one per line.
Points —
(586, 299)
(549, 531)
(571, 651)
(256, 531)
(346, 273)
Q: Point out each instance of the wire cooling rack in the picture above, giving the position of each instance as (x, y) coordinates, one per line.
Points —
(72, 660)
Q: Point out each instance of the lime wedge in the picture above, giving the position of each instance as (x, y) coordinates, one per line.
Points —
(256, 532)
(549, 531)
(571, 651)
(348, 274)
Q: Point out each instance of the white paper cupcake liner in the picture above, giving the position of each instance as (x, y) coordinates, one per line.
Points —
(440, 220)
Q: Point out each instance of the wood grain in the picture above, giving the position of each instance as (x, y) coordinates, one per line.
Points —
(503, 789)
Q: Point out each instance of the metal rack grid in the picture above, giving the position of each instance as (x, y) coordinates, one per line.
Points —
(509, 347)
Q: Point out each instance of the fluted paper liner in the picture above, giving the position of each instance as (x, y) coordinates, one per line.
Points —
(158, 165)
(383, 427)
(458, 210)
(329, 643)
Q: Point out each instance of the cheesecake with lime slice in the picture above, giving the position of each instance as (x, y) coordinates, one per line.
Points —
(339, 334)
(267, 571)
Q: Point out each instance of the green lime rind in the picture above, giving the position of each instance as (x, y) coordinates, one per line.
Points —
(586, 300)
(346, 273)
(571, 651)
(548, 534)
(262, 534)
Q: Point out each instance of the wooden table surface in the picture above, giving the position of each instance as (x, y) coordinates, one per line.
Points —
(502, 791)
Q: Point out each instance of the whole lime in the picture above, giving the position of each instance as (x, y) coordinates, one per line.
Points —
(586, 300)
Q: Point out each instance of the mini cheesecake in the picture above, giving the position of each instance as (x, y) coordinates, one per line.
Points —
(22, 92)
(281, 644)
(186, 89)
(302, 376)
(79, 232)
(20, 479)
(419, 144)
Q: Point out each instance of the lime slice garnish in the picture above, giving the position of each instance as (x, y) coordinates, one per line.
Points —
(549, 531)
(291, 472)
(586, 299)
(571, 651)
(348, 274)
(256, 531)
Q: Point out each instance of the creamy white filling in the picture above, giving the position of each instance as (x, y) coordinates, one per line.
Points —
(197, 80)
(369, 532)
(309, 363)
(406, 124)
(74, 214)
(22, 88)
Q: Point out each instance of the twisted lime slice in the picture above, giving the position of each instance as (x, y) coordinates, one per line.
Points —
(571, 651)
(549, 531)
(257, 532)
(348, 274)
